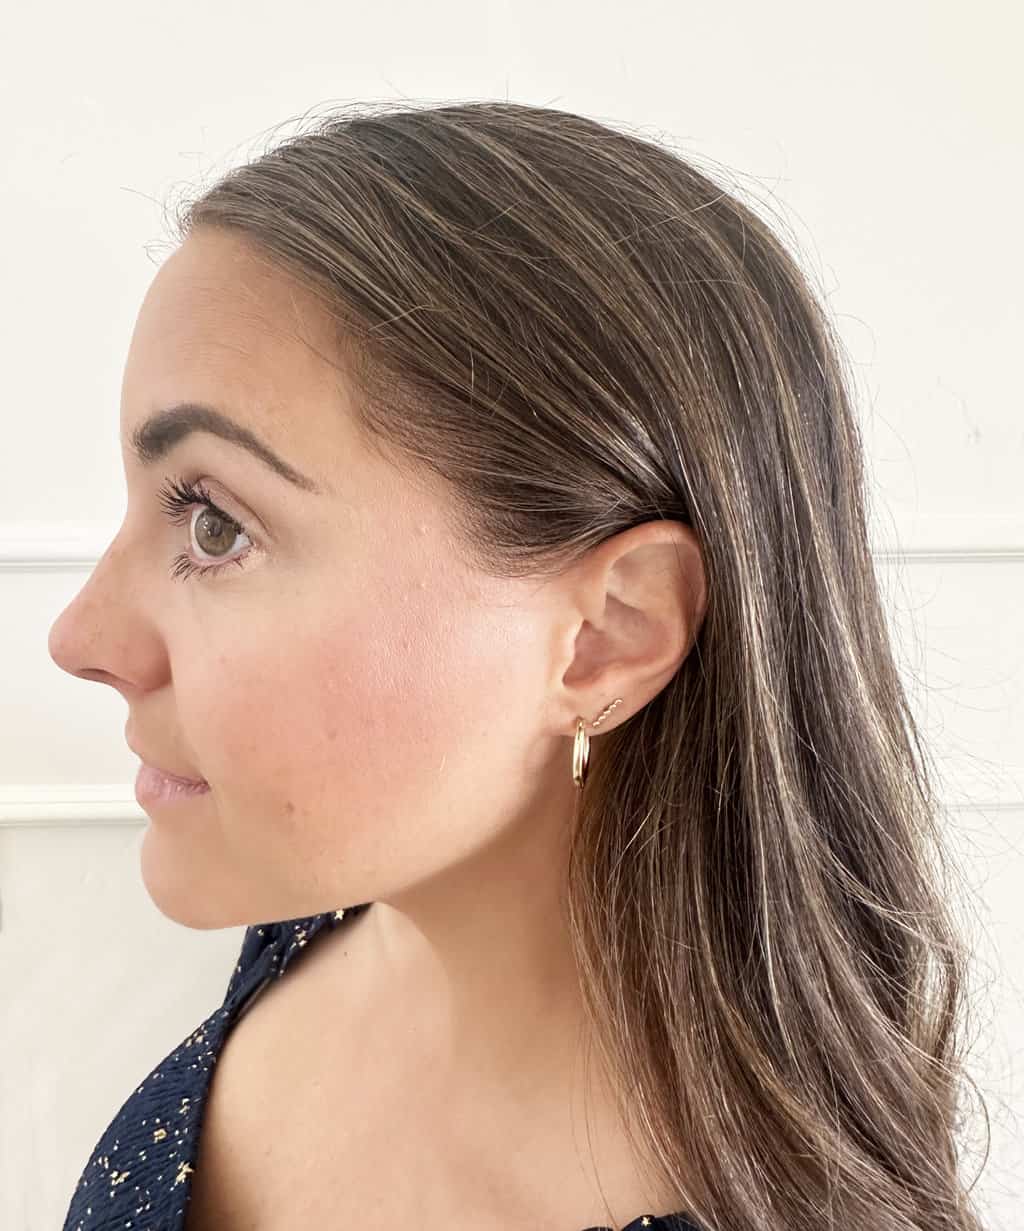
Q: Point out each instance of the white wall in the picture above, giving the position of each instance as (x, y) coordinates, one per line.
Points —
(888, 137)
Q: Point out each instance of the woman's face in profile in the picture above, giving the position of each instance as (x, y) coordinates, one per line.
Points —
(368, 710)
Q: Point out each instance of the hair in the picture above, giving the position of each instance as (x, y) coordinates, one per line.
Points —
(580, 332)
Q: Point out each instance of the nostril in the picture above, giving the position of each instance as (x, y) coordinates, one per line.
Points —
(94, 673)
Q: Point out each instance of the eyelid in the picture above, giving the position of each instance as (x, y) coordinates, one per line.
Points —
(225, 501)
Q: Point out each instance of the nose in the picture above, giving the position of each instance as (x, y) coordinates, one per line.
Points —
(74, 639)
(91, 638)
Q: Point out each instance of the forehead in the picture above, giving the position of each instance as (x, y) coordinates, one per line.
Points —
(220, 326)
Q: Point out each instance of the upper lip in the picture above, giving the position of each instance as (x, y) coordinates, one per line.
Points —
(170, 773)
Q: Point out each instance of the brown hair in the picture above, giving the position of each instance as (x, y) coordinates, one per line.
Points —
(581, 332)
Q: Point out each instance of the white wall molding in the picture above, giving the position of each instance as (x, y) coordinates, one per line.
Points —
(933, 538)
(38, 805)
(51, 547)
(84, 805)
(74, 546)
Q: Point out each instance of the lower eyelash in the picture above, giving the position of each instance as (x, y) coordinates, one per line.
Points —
(184, 566)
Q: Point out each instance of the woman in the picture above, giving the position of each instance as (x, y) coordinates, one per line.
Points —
(461, 443)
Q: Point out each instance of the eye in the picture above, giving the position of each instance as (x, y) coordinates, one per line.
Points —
(179, 500)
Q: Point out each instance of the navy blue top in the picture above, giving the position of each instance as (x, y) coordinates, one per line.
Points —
(138, 1174)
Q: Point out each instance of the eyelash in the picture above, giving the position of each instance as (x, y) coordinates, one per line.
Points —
(177, 497)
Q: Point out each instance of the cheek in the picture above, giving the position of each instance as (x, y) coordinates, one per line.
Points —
(397, 722)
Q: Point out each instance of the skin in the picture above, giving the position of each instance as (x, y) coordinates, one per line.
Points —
(378, 720)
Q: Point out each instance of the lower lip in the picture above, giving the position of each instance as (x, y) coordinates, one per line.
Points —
(153, 787)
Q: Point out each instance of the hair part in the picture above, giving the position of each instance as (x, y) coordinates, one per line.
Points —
(581, 332)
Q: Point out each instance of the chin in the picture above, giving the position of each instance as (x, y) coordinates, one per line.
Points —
(176, 891)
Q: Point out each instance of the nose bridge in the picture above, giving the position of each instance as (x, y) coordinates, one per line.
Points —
(89, 638)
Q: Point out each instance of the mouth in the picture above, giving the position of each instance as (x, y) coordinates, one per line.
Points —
(157, 782)
(153, 785)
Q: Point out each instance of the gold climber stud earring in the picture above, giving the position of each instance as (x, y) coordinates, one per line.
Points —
(581, 744)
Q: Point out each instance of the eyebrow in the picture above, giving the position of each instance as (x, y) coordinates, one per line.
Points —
(161, 432)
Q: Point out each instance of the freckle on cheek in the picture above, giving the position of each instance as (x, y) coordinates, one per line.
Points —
(289, 807)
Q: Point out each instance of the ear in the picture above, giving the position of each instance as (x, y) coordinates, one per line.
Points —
(627, 616)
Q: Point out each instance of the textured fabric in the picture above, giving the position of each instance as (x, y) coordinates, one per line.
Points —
(137, 1178)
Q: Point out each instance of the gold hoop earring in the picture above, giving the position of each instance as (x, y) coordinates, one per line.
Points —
(581, 744)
